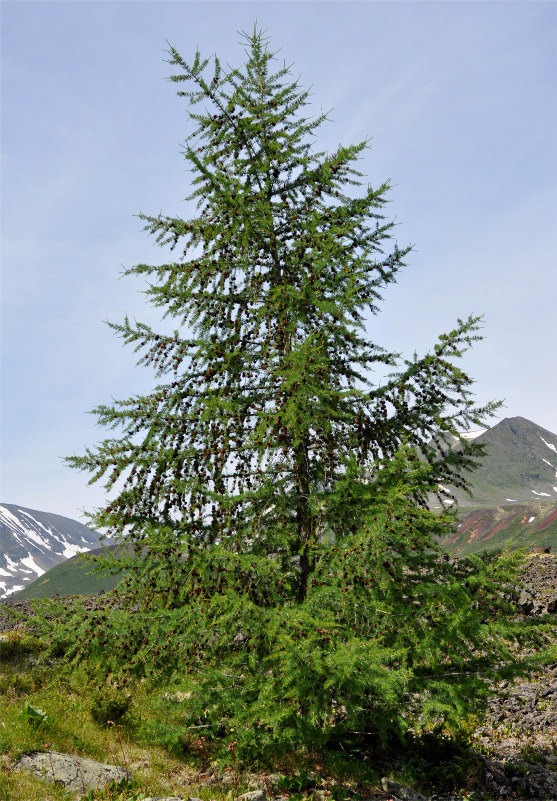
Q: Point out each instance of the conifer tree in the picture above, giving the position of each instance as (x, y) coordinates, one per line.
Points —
(268, 401)
(274, 494)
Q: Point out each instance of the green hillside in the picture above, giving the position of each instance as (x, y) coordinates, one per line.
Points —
(72, 577)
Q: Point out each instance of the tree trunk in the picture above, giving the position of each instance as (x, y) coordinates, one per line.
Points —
(303, 519)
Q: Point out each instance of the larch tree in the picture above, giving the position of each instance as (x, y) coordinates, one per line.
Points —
(276, 497)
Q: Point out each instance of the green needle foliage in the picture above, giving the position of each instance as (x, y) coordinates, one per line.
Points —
(284, 560)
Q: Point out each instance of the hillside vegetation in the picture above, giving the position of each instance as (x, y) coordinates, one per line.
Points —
(520, 525)
(75, 576)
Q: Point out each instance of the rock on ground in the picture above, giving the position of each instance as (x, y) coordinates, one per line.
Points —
(401, 791)
(76, 774)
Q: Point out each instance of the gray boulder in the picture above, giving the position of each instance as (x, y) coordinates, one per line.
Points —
(401, 791)
(254, 795)
(76, 774)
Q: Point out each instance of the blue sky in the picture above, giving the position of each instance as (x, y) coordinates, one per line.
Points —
(460, 99)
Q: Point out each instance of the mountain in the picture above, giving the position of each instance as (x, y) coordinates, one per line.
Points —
(71, 577)
(520, 465)
(32, 542)
(514, 491)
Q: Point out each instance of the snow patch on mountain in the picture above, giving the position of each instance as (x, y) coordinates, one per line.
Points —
(72, 550)
(37, 539)
(15, 588)
(11, 565)
(472, 434)
(549, 445)
(37, 522)
(28, 561)
(10, 518)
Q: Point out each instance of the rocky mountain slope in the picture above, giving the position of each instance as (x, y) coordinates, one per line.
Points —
(32, 542)
(518, 525)
(514, 491)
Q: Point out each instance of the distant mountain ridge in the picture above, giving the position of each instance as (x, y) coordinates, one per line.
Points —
(32, 542)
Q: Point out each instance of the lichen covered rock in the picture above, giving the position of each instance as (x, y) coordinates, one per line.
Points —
(76, 774)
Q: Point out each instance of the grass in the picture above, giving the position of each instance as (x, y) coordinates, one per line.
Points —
(16, 646)
(163, 757)
(67, 725)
